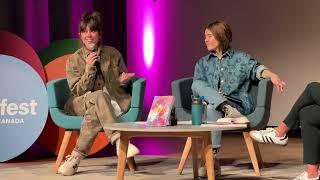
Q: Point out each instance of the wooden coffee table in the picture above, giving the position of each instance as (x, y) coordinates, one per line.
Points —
(183, 129)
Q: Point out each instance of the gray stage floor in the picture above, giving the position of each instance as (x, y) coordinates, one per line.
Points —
(279, 162)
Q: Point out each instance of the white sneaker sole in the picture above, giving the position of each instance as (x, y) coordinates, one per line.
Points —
(132, 151)
(238, 120)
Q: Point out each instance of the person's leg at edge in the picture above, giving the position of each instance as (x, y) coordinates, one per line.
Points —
(308, 97)
(281, 130)
(310, 132)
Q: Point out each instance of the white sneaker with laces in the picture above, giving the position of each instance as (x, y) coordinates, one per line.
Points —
(132, 149)
(269, 136)
(304, 176)
(232, 115)
(231, 112)
(70, 166)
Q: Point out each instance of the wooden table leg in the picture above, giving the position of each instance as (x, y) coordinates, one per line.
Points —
(203, 156)
(185, 154)
(209, 156)
(194, 157)
(124, 141)
(254, 153)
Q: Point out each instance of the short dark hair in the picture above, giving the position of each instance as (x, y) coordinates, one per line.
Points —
(222, 32)
(91, 19)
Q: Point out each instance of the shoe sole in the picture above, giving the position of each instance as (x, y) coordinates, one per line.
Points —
(135, 151)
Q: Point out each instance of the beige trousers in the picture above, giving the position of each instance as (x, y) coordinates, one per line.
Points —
(98, 112)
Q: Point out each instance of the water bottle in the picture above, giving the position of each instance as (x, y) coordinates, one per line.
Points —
(196, 111)
(204, 110)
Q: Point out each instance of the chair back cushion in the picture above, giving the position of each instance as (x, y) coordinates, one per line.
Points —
(58, 93)
(186, 92)
(137, 91)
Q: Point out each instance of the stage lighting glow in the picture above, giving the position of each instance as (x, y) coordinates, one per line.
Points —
(148, 44)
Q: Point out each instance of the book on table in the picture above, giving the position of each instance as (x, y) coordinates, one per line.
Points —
(160, 111)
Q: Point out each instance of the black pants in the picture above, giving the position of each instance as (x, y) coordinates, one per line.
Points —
(305, 113)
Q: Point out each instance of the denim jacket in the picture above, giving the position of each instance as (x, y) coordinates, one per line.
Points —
(230, 75)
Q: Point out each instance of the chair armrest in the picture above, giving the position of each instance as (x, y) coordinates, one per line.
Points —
(65, 121)
(259, 118)
(138, 91)
(264, 95)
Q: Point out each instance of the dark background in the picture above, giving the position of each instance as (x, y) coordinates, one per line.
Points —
(41, 22)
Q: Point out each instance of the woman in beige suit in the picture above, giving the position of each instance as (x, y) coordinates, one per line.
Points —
(97, 77)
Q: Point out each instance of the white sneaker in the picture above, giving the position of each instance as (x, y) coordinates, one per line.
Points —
(70, 166)
(269, 136)
(304, 176)
(132, 149)
(231, 112)
(232, 115)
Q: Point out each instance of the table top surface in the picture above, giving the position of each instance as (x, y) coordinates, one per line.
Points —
(183, 126)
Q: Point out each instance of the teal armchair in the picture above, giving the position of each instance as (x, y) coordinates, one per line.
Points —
(261, 93)
(58, 93)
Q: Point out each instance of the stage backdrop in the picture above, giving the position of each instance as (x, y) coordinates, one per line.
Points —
(166, 38)
(23, 106)
(42, 22)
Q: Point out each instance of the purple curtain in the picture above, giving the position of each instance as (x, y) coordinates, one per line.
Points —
(41, 22)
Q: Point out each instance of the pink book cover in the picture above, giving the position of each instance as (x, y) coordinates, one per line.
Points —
(160, 111)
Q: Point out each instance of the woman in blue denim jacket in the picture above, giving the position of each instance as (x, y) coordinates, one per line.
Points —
(226, 73)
